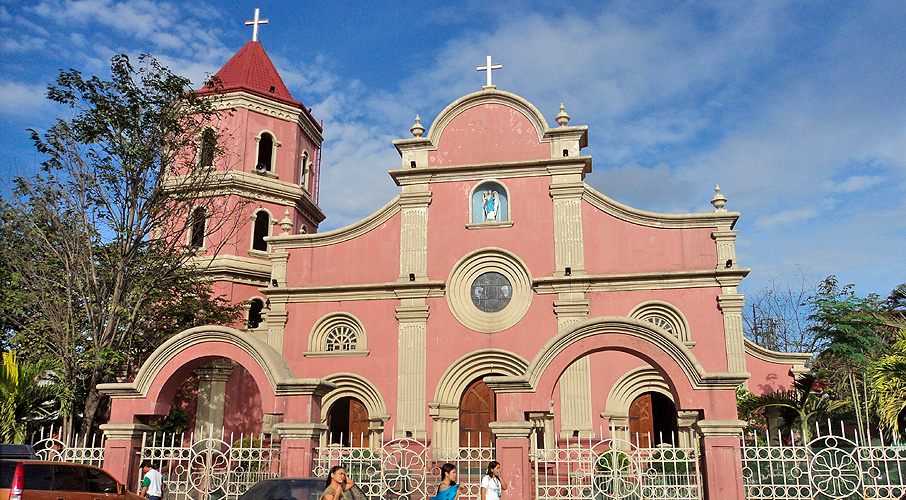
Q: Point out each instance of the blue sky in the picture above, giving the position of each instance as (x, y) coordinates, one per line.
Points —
(797, 109)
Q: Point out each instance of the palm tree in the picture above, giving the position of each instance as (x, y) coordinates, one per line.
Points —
(28, 395)
(801, 406)
(889, 384)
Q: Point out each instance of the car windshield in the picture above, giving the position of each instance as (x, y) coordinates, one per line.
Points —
(286, 489)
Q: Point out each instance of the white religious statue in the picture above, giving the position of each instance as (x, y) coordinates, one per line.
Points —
(491, 205)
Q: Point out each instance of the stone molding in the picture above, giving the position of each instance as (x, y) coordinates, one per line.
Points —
(475, 364)
(730, 305)
(630, 386)
(342, 234)
(272, 109)
(577, 166)
(654, 219)
(317, 338)
(365, 291)
(654, 280)
(125, 432)
(472, 265)
(235, 269)
(512, 429)
(697, 375)
(490, 225)
(356, 386)
(670, 312)
(274, 366)
(300, 430)
(797, 360)
(720, 428)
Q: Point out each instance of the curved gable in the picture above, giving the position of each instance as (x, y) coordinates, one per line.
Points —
(486, 127)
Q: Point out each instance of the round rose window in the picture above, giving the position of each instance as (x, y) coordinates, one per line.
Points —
(491, 292)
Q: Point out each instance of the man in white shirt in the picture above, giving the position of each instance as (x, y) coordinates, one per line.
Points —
(152, 483)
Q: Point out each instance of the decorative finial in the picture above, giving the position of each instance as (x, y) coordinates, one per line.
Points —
(255, 22)
(418, 129)
(488, 67)
(719, 200)
(286, 224)
(562, 117)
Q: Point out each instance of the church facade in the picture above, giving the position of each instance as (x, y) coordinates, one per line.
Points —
(497, 299)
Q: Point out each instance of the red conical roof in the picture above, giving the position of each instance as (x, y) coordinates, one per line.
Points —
(252, 70)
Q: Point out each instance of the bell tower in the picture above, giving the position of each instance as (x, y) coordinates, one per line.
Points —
(268, 161)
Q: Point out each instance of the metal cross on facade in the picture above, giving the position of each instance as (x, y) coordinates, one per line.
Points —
(255, 22)
(489, 67)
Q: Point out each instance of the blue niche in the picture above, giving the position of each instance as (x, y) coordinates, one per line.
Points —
(489, 203)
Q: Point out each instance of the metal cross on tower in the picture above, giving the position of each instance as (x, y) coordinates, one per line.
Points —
(255, 22)
(489, 67)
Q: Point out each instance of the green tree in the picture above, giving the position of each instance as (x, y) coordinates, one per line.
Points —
(28, 396)
(99, 234)
(888, 382)
(855, 333)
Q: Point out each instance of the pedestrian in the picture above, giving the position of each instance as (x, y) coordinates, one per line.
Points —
(337, 484)
(152, 483)
(448, 488)
(492, 485)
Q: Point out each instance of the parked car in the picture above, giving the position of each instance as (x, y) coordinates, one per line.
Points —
(17, 451)
(36, 480)
(294, 488)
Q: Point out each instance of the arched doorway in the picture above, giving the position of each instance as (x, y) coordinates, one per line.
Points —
(652, 420)
(347, 423)
(476, 412)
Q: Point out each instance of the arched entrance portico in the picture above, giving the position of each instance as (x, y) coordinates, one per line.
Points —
(295, 401)
(692, 386)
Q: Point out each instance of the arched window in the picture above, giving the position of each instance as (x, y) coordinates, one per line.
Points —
(262, 230)
(490, 203)
(197, 221)
(664, 316)
(255, 309)
(265, 153)
(337, 334)
(208, 148)
(342, 338)
(304, 169)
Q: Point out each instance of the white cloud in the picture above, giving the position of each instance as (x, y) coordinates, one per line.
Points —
(23, 100)
(854, 183)
(786, 218)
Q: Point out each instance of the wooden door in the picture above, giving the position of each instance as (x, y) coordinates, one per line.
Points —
(476, 412)
(358, 423)
(641, 421)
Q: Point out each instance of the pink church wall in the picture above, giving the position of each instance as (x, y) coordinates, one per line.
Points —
(530, 237)
(698, 305)
(488, 133)
(766, 376)
(614, 246)
(381, 330)
(369, 258)
(242, 392)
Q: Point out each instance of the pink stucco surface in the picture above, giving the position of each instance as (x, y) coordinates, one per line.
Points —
(614, 246)
(767, 377)
(487, 133)
(530, 237)
(372, 257)
(698, 305)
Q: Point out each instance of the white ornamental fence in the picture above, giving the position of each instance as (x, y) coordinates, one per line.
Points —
(616, 469)
(833, 466)
(51, 444)
(211, 465)
(405, 468)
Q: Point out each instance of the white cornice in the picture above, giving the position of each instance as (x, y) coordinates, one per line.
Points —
(382, 215)
(365, 291)
(783, 358)
(270, 108)
(531, 168)
(654, 280)
(654, 219)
